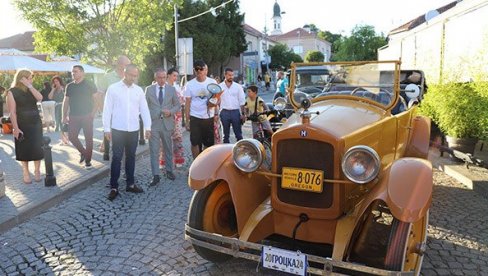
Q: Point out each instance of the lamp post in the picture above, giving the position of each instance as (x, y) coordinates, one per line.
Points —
(266, 48)
(211, 10)
(298, 47)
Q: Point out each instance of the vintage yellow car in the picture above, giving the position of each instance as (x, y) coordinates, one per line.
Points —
(348, 190)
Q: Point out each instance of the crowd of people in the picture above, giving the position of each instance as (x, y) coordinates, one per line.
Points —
(123, 105)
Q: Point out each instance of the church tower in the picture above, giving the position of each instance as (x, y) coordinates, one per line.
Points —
(276, 19)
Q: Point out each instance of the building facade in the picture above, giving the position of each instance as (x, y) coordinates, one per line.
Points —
(302, 40)
(448, 44)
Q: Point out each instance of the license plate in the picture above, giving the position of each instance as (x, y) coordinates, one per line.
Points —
(284, 260)
(302, 179)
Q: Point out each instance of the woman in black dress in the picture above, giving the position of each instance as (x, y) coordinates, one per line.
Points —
(22, 101)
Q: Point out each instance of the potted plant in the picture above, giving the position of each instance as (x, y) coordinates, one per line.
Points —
(459, 111)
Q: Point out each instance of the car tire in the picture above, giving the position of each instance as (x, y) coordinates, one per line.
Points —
(211, 210)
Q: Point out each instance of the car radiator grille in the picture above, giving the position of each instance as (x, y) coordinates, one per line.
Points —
(307, 154)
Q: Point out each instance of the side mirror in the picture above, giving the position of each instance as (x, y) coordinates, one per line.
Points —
(412, 91)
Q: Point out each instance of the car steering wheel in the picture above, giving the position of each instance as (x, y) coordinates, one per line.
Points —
(357, 89)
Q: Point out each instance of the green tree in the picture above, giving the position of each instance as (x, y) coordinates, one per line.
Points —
(98, 30)
(362, 44)
(314, 56)
(215, 38)
(313, 28)
(332, 38)
(282, 57)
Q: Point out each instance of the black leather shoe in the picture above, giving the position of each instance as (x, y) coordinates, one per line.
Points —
(155, 180)
(170, 176)
(113, 194)
(134, 189)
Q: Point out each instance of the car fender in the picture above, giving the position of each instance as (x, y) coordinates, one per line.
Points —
(406, 187)
(248, 190)
(418, 145)
(409, 188)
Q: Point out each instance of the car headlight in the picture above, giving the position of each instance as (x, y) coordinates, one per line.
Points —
(248, 154)
(279, 103)
(361, 164)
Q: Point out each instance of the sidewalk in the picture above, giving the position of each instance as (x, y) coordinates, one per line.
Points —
(474, 178)
(23, 201)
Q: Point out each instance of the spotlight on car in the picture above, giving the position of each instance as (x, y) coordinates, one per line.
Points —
(248, 154)
(361, 164)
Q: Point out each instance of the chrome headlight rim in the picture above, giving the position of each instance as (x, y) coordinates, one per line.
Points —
(279, 103)
(254, 145)
(375, 157)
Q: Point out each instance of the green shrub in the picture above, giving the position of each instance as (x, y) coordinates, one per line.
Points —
(459, 109)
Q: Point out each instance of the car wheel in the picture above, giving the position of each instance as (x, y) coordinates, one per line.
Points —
(212, 210)
(388, 243)
(406, 245)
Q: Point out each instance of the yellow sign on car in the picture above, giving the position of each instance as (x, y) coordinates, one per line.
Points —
(302, 179)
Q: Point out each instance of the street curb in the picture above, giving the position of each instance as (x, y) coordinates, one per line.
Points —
(472, 181)
(26, 213)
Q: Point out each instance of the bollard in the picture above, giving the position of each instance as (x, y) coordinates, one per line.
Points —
(50, 179)
(141, 132)
(2, 181)
(183, 116)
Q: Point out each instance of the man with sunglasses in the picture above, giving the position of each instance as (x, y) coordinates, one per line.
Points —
(198, 112)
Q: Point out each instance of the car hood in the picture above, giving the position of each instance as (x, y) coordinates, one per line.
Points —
(340, 117)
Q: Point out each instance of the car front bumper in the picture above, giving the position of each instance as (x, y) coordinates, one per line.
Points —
(252, 251)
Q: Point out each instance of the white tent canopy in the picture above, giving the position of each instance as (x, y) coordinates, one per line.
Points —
(12, 63)
(65, 66)
(11, 52)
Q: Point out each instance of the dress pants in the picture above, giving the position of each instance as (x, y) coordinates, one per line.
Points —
(123, 142)
(76, 123)
(160, 135)
(228, 118)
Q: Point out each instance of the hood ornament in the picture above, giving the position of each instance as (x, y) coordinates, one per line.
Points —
(305, 114)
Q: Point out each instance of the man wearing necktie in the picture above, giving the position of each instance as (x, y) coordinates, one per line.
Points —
(163, 104)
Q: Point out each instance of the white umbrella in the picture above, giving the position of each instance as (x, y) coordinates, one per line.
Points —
(66, 66)
(12, 63)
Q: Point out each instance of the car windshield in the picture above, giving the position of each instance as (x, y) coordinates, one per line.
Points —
(368, 80)
(312, 79)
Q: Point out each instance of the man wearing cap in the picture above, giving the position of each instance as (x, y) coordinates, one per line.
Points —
(198, 112)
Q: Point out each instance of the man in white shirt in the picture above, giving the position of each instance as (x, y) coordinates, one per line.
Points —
(231, 106)
(198, 113)
(124, 101)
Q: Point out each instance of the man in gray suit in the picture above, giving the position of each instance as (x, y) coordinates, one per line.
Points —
(163, 104)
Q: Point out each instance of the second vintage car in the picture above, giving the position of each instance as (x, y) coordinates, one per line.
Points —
(348, 188)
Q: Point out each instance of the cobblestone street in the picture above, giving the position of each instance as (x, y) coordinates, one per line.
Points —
(141, 234)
